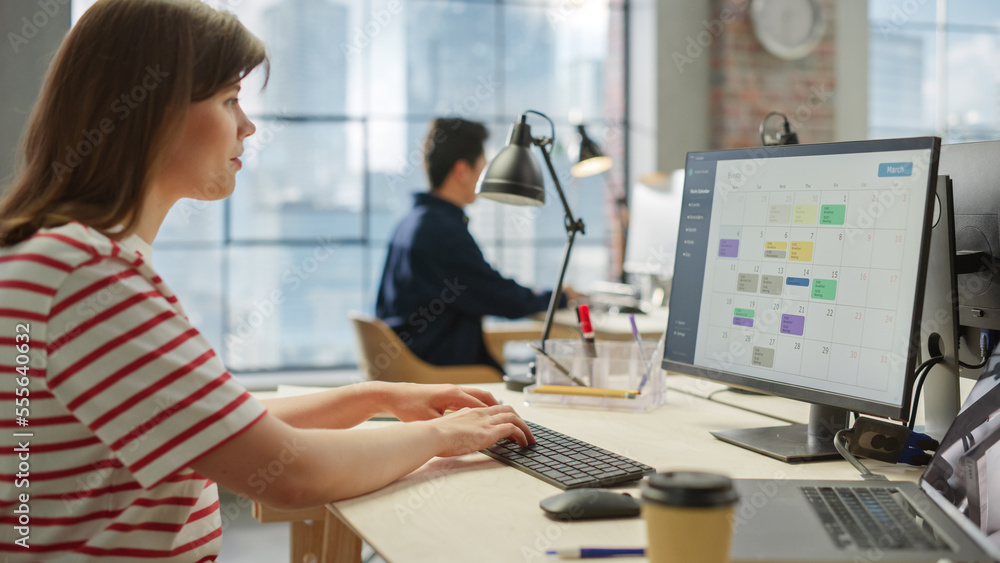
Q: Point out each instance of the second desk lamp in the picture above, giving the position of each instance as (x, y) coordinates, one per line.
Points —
(514, 177)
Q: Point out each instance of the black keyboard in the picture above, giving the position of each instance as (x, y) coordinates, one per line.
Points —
(566, 462)
(863, 518)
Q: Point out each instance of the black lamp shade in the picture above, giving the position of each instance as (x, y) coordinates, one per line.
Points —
(514, 177)
(591, 159)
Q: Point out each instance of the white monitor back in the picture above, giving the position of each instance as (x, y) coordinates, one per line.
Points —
(654, 217)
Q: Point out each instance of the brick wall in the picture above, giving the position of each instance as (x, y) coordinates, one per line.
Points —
(748, 82)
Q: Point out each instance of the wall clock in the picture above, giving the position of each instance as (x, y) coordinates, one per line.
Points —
(789, 29)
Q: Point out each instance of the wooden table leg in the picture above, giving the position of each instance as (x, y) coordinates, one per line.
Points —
(317, 535)
(343, 545)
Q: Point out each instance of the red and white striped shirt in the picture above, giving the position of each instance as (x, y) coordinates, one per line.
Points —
(121, 395)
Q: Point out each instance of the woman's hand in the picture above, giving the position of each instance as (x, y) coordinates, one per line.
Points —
(470, 430)
(415, 401)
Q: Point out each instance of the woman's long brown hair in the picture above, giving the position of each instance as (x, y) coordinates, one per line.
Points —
(114, 97)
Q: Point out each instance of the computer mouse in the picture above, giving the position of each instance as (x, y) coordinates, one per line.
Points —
(588, 504)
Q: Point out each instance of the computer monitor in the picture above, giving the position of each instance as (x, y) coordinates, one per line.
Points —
(653, 218)
(800, 272)
(962, 298)
(975, 172)
(651, 240)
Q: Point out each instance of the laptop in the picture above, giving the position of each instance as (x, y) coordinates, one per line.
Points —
(946, 517)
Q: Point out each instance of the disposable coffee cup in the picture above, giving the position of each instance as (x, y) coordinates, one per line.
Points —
(689, 517)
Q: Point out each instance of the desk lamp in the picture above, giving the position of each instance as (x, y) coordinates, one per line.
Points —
(783, 136)
(514, 177)
(590, 159)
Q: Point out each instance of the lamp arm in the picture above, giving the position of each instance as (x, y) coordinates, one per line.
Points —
(573, 226)
(550, 313)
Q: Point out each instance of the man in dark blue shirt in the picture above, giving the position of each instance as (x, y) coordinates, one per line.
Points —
(437, 286)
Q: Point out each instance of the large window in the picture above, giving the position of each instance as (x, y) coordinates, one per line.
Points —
(270, 274)
(935, 69)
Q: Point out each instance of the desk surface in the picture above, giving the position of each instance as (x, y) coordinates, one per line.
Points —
(475, 508)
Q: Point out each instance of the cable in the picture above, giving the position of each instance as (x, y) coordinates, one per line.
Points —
(986, 359)
(735, 406)
(866, 474)
(925, 368)
(716, 392)
(985, 348)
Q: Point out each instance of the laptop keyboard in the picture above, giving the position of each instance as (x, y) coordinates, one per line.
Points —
(863, 518)
(566, 462)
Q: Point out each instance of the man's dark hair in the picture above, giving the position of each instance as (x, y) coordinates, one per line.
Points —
(449, 140)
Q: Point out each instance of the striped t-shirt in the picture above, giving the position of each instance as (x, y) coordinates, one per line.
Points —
(107, 394)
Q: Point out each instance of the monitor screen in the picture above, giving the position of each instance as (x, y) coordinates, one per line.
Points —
(654, 213)
(800, 270)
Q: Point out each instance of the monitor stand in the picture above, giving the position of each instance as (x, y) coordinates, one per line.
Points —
(941, 393)
(795, 443)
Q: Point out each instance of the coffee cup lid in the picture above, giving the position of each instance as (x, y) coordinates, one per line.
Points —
(689, 489)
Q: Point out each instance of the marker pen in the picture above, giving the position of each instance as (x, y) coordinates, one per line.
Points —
(595, 552)
(587, 331)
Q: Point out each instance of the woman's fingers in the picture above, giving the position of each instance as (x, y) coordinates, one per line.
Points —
(521, 433)
(467, 400)
(512, 432)
(474, 429)
(485, 397)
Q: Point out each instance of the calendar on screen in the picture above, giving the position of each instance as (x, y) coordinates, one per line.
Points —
(809, 269)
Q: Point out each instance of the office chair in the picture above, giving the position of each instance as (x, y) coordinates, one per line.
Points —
(383, 356)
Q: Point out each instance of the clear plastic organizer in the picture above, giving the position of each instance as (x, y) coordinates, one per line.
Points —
(618, 368)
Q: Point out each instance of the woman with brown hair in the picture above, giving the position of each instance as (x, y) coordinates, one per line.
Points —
(123, 419)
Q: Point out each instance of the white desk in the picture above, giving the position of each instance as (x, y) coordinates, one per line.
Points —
(473, 508)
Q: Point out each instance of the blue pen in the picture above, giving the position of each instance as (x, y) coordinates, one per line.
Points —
(642, 352)
(594, 552)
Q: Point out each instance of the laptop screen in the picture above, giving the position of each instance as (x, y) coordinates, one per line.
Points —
(968, 454)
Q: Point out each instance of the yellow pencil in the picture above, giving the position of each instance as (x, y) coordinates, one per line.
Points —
(585, 391)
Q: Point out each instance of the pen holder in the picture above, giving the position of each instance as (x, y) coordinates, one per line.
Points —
(612, 377)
